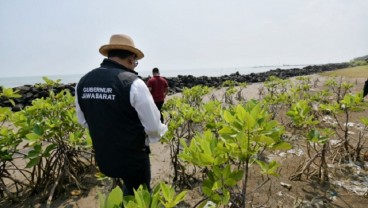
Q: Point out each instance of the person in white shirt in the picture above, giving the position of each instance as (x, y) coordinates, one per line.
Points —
(118, 109)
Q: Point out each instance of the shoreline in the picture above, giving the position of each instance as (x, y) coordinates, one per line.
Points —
(176, 84)
(15, 81)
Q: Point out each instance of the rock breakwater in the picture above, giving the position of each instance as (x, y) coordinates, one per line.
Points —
(176, 84)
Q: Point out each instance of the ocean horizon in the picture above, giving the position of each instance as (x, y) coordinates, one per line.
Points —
(210, 72)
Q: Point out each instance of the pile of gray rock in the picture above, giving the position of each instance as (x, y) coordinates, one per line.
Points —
(176, 84)
(29, 93)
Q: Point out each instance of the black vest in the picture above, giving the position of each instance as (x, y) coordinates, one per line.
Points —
(117, 134)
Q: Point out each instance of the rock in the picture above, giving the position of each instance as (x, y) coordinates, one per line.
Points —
(176, 84)
(286, 185)
(17, 107)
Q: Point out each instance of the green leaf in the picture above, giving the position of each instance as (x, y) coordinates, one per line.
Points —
(155, 197)
(142, 197)
(240, 113)
(32, 137)
(38, 129)
(115, 197)
(100, 176)
(33, 153)
(166, 191)
(262, 165)
(205, 143)
(49, 148)
(265, 140)
(226, 130)
(9, 93)
(249, 121)
(228, 117)
(88, 138)
(207, 159)
(129, 201)
(282, 146)
(273, 165)
(207, 191)
(180, 197)
(102, 199)
(230, 182)
(33, 162)
(12, 102)
(237, 175)
(268, 168)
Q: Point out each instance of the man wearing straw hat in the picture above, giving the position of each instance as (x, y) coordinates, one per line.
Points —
(119, 111)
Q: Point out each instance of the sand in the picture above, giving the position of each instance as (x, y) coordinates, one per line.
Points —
(160, 157)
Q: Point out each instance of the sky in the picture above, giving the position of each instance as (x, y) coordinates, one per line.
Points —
(54, 37)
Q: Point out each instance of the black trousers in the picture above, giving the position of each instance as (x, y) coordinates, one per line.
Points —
(159, 106)
(140, 177)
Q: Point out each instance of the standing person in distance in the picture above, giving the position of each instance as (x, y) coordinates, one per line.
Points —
(159, 88)
(365, 88)
(116, 106)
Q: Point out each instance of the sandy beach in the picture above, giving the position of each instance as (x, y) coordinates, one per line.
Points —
(160, 157)
(162, 170)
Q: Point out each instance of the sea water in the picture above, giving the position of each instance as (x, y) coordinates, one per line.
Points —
(211, 72)
(31, 80)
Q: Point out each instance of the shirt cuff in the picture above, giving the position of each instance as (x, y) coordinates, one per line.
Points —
(156, 138)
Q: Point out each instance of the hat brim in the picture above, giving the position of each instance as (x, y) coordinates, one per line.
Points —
(104, 50)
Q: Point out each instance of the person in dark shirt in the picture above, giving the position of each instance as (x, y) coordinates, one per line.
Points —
(365, 88)
(159, 88)
(122, 118)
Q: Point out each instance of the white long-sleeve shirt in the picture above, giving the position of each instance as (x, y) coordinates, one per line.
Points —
(141, 99)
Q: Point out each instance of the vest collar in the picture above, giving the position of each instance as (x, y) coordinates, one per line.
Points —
(108, 63)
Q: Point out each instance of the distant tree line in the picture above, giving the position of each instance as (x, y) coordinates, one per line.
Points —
(362, 58)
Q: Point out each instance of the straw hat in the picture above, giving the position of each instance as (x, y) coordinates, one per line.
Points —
(122, 42)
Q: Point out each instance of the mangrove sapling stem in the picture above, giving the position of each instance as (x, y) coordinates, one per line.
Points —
(69, 169)
(74, 178)
(49, 200)
(10, 195)
(346, 135)
(258, 187)
(52, 165)
(298, 176)
(2, 183)
(245, 182)
(308, 149)
(265, 202)
(359, 146)
(189, 130)
(174, 160)
(198, 203)
(20, 171)
(87, 153)
(49, 164)
(323, 172)
(337, 121)
(334, 157)
(16, 181)
(48, 177)
(32, 178)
